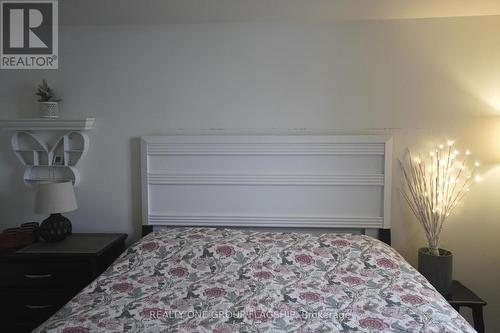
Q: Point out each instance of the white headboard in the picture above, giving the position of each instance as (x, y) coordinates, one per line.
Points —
(307, 181)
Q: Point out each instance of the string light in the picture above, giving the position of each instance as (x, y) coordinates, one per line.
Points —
(435, 185)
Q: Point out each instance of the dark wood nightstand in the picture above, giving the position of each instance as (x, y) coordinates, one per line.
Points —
(463, 296)
(39, 279)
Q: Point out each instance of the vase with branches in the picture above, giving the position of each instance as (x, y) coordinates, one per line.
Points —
(433, 185)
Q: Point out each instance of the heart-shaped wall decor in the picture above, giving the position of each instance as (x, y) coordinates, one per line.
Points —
(57, 163)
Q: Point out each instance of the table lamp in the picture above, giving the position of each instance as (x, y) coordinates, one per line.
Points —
(54, 199)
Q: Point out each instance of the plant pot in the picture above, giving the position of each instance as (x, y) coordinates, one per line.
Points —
(437, 269)
(49, 110)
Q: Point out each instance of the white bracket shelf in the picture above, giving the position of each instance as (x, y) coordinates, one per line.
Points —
(38, 124)
(50, 149)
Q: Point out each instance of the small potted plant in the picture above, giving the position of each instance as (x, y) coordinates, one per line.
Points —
(48, 103)
(433, 185)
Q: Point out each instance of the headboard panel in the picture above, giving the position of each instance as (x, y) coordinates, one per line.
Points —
(306, 181)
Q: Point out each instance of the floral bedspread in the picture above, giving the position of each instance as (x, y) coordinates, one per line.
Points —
(220, 280)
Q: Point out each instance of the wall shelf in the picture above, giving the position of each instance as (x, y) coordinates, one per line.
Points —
(50, 149)
(39, 124)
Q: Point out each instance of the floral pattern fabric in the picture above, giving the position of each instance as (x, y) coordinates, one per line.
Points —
(221, 280)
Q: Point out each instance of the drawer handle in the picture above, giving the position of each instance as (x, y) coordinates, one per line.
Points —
(38, 307)
(37, 276)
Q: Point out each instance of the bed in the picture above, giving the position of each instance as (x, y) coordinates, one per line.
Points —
(224, 280)
(262, 234)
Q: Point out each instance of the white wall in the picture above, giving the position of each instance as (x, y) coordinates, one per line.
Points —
(421, 80)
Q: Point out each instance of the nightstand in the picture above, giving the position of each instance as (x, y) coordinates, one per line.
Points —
(463, 296)
(39, 279)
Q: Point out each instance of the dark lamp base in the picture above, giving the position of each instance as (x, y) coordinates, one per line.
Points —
(437, 269)
(55, 228)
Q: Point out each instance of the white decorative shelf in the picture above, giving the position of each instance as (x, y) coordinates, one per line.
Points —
(39, 124)
(50, 149)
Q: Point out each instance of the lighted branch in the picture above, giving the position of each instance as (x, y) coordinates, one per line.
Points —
(434, 185)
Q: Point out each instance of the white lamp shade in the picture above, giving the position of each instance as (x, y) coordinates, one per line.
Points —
(55, 198)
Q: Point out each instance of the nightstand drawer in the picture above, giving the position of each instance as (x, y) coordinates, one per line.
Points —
(22, 305)
(39, 279)
(44, 274)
